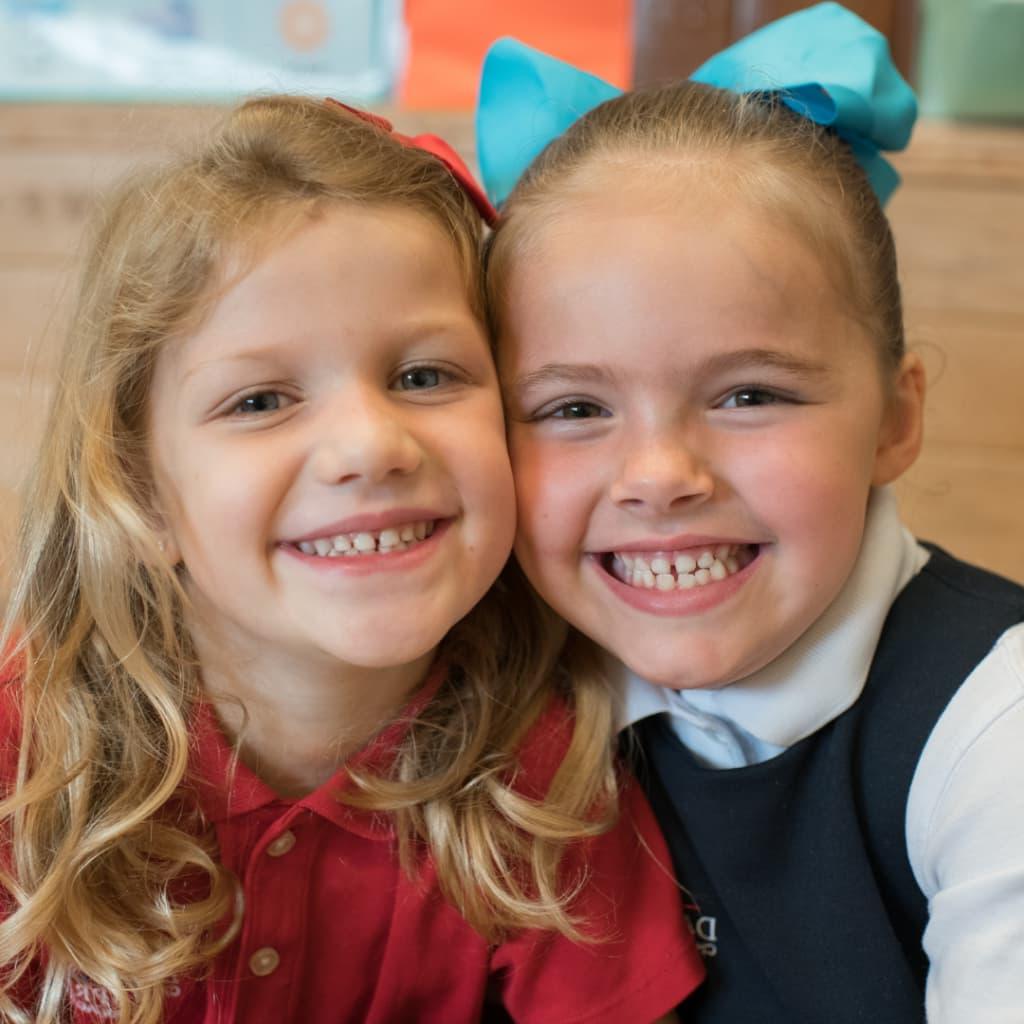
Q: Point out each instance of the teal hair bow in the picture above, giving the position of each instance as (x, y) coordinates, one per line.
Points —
(825, 62)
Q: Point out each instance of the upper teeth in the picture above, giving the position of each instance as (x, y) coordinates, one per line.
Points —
(365, 542)
(678, 570)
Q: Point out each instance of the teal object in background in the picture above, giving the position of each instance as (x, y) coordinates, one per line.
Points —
(971, 58)
(827, 63)
(196, 50)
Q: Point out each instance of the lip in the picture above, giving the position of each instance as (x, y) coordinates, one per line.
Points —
(372, 522)
(366, 565)
(678, 603)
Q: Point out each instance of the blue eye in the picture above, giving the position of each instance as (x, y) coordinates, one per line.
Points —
(419, 379)
(259, 402)
(751, 397)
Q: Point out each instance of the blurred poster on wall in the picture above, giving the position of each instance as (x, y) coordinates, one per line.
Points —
(197, 49)
(971, 60)
(447, 39)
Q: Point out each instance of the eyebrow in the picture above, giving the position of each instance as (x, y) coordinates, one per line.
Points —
(249, 356)
(723, 362)
(275, 350)
(771, 358)
(562, 373)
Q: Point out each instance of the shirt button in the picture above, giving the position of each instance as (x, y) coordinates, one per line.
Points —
(281, 845)
(264, 961)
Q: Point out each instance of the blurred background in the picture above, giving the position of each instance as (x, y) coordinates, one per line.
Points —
(91, 88)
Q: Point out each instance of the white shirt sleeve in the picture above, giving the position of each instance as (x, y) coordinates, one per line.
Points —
(965, 839)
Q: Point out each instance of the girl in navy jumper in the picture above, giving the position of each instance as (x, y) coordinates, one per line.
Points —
(701, 344)
(273, 747)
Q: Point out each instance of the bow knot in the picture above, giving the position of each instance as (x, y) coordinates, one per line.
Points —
(824, 62)
(437, 148)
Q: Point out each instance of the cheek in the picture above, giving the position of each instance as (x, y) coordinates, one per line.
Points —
(553, 486)
(499, 501)
(485, 475)
(805, 476)
(810, 495)
(226, 503)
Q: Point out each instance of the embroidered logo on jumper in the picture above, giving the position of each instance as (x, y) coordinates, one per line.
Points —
(703, 926)
(92, 1002)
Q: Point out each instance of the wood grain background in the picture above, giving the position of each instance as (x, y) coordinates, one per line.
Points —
(959, 224)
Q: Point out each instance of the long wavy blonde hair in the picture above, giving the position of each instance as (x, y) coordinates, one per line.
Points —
(98, 824)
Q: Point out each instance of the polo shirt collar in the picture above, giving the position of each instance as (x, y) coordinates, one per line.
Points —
(824, 672)
(227, 789)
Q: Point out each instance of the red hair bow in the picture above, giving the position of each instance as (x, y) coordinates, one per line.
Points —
(438, 148)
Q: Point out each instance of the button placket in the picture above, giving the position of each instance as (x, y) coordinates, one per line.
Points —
(274, 920)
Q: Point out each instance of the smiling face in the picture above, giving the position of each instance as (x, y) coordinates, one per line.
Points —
(328, 447)
(695, 424)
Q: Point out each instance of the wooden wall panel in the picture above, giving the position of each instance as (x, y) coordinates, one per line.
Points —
(8, 526)
(958, 220)
(45, 199)
(34, 298)
(959, 248)
(972, 367)
(971, 501)
(23, 401)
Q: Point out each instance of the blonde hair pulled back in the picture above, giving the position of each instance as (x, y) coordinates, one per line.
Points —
(752, 147)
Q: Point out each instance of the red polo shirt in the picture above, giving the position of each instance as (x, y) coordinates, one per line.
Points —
(335, 931)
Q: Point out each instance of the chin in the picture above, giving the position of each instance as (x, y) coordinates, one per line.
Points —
(674, 681)
(658, 673)
(387, 655)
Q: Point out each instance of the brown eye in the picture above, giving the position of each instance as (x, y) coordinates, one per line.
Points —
(745, 398)
(578, 411)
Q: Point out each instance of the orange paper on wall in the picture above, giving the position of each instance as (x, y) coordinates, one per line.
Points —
(448, 39)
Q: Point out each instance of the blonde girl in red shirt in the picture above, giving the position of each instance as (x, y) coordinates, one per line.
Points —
(276, 746)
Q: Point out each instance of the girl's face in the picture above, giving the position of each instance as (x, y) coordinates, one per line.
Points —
(695, 424)
(329, 448)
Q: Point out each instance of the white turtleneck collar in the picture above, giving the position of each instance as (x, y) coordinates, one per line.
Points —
(811, 682)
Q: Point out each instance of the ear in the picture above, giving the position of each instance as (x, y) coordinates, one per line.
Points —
(158, 504)
(168, 547)
(902, 432)
(163, 533)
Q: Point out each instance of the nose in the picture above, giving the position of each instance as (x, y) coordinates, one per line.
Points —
(363, 437)
(662, 472)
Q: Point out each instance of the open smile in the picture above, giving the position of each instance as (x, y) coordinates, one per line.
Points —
(399, 546)
(677, 581)
(678, 570)
(360, 543)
